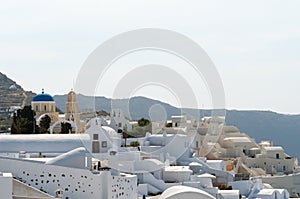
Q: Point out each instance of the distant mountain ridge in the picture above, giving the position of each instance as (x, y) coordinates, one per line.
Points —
(282, 129)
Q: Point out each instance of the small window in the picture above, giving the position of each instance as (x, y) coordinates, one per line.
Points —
(277, 155)
(36, 108)
(45, 107)
(104, 144)
(120, 124)
(95, 137)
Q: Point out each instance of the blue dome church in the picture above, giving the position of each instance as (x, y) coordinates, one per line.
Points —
(44, 104)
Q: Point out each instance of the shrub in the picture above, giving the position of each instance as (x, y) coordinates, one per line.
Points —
(134, 144)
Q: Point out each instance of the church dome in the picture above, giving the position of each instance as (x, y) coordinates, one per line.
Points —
(43, 97)
(181, 191)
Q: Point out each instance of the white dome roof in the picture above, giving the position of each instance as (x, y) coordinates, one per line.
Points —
(206, 175)
(111, 132)
(97, 121)
(179, 192)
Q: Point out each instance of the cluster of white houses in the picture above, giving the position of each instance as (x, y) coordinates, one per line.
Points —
(91, 162)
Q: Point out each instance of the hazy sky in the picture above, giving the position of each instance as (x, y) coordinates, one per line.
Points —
(255, 45)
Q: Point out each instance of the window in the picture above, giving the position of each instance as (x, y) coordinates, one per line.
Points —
(95, 137)
(45, 107)
(36, 108)
(197, 144)
(277, 155)
(283, 168)
(104, 144)
(120, 124)
(95, 147)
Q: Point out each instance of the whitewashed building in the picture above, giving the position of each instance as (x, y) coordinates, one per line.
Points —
(73, 175)
(118, 121)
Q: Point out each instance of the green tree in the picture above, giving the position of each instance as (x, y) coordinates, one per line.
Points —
(23, 121)
(65, 127)
(45, 124)
(143, 122)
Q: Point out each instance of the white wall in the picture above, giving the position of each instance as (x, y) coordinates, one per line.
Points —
(76, 183)
(289, 182)
(172, 145)
(244, 186)
(176, 174)
(274, 153)
(217, 164)
(271, 165)
(123, 187)
(6, 185)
